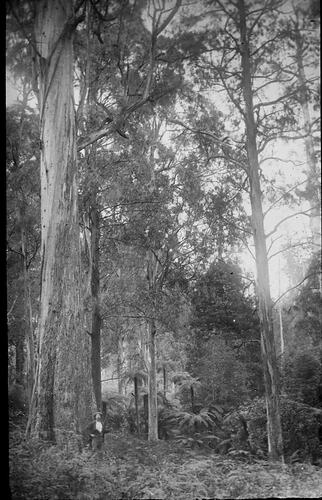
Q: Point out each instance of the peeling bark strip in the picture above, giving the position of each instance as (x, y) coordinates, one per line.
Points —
(63, 391)
(274, 430)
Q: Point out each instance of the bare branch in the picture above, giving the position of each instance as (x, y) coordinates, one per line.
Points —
(276, 158)
(255, 22)
(168, 18)
(273, 242)
(229, 14)
(304, 212)
(230, 95)
(246, 245)
(287, 248)
(264, 44)
(293, 287)
(275, 101)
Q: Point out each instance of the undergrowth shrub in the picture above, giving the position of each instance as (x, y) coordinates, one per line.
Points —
(117, 410)
(17, 400)
(202, 428)
(303, 375)
(42, 471)
(300, 428)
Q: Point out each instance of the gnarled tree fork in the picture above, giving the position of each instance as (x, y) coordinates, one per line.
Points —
(62, 396)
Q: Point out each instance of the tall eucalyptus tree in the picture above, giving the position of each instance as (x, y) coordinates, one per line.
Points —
(62, 398)
(239, 64)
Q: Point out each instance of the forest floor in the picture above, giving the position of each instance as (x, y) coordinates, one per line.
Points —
(132, 468)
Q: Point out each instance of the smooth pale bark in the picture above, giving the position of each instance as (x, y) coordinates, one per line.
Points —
(120, 365)
(152, 381)
(152, 268)
(280, 317)
(136, 401)
(313, 175)
(63, 395)
(268, 348)
(165, 382)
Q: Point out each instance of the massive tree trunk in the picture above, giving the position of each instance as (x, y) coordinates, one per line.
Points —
(96, 316)
(274, 431)
(63, 396)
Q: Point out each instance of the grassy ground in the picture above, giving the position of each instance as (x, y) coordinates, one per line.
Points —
(129, 468)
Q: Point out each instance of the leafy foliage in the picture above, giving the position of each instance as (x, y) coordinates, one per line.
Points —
(301, 426)
(117, 410)
(223, 376)
(219, 302)
(131, 468)
(224, 352)
(42, 471)
(303, 376)
(302, 369)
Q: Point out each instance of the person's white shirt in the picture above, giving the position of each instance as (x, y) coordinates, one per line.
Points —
(99, 426)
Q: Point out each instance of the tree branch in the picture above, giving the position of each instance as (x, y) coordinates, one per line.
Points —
(264, 44)
(275, 101)
(169, 18)
(272, 243)
(92, 137)
(304, 212)
(283, 195)
(293, 287)
(287, 248)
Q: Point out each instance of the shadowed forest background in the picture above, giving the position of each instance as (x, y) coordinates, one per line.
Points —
(164, 248)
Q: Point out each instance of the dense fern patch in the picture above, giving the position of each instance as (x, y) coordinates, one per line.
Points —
(129, 467)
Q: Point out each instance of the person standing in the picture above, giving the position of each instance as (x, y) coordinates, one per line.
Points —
(94, 432)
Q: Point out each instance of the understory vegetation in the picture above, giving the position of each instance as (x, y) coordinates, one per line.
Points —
(129, 467)
(208, 452)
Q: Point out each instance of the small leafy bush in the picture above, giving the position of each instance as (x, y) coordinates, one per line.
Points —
(17, 399)
(303, 375)
(300, 427)
(117, 408)
(43, 471)
(201, 429)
